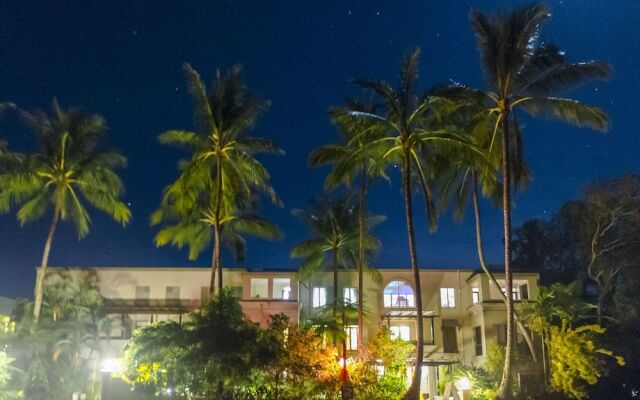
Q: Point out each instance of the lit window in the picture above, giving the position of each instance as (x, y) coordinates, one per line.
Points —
(401, 332)
(349, 294)
(351, 332)
(398, 294)
(319, 297)
(475, 295)
(447, 298)
(259, 288)
(282, 288)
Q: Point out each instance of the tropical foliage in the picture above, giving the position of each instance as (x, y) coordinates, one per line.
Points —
(221, 355)
(575, 358)
(57, 357)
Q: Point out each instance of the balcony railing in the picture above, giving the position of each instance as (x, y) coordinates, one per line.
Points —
(165, 306)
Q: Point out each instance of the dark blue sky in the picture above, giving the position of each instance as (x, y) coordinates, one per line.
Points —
(123, 59)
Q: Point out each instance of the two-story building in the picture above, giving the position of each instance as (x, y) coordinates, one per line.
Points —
(462, 309)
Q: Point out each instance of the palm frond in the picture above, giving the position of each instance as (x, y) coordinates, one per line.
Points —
(567, 110)
(307, 248)
(486, 40)
(202, 112)
(568, 76)
(256, 226)
(187, 139)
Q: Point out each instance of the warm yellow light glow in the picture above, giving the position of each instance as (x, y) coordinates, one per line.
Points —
(111, 365)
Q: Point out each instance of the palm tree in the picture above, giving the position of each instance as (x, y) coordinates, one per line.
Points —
(523, 73)
(218, 187)
(335, 239)
(412, 143)
(68, 168)
(462, 172)
(365, 168)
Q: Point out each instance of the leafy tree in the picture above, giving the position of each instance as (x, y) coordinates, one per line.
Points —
(204, 358)
(594, 238)
(157, 358)
(387, 353)
(411, 142)
(219, 354)
(575, 357)
(612, 219)
(356, 164)
(296, 361)
(69, 167)
(522, 73)
(218, 187)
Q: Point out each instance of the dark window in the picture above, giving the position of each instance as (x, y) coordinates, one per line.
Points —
(142, 295)
(477, 340)
(501, 334)
(173, 294)
(237, 291)
(524, 292)
(449, 339)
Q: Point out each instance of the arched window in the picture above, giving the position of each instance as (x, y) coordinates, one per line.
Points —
(398, 294)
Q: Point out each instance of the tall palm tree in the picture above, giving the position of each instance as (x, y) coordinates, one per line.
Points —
(412, 143)
(68, 169)
(523, 73)
(364, 168)
(335, 239)
(218, 187)
(462, 173)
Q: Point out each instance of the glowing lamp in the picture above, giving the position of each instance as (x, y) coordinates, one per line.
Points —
(464, 384)
(111, 365)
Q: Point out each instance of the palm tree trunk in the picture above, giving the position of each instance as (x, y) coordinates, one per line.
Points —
(361, 254)
(216, 268)
(216, 258)
(483, 264)
(504, 391)
(414, 390)
(334, 266)
(40, 275)
(544, 355)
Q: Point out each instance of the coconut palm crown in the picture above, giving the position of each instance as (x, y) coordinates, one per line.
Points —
(68, 171)
(219, 185)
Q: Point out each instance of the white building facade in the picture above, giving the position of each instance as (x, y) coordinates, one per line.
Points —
(463, 310)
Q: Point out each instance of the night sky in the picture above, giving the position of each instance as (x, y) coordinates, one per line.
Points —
(123, 59)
